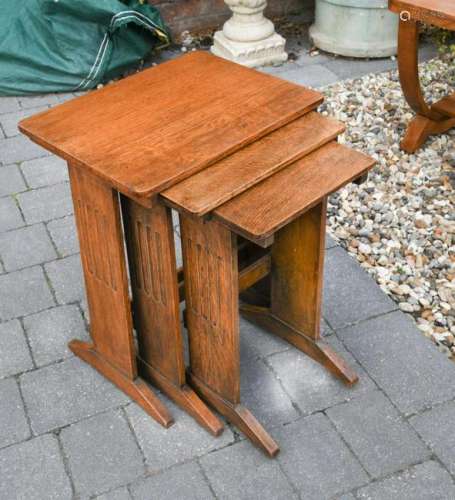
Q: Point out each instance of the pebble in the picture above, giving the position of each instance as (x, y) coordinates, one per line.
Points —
(365, 249)
(400, 224)
(406, 307)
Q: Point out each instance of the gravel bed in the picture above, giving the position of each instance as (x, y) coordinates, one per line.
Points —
(400, 224)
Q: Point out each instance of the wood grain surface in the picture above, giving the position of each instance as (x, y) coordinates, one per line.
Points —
(151, 256)
(151, 130)
(297, 271)
(211, 291)
(208, 189)
(257, 213)
(439, 13)
(430, 119)
(97, 212)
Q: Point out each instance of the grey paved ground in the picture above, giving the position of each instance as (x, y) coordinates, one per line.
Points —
(67, 433)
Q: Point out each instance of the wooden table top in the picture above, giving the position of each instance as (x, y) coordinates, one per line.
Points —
(208, 189)
(149, 131)
(439, 13)
(269, 205)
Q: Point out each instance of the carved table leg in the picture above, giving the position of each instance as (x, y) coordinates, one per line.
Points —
(151, 255)
(112, 352)
(296, 291)
(211, 290)
(430, 120)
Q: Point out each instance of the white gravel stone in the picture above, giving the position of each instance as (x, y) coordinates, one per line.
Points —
(400, 224)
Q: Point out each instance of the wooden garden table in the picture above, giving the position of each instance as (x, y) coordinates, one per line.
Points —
(440, 116)
(249, 165)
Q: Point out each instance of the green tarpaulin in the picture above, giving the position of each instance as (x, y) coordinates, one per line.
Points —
(72, 45)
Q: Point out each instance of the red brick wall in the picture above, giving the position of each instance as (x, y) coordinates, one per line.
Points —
(181, 15)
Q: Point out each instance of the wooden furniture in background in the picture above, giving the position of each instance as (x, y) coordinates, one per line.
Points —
(248, 164)
(440, 116)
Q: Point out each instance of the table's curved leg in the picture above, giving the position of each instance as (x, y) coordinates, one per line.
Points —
(430, 120)
(296, 291)
(212, 301)
(151, 256)
(112, 350)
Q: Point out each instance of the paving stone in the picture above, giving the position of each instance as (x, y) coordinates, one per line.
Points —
(10, 216)
(37, 100)
(11, 181)
(19, 148)
(182, 482)
(26, 247)
(50, 331)
(64, 96)
(330, 242)
(350, 295)
(178, 250)
(435, 427)
(280, 68)
(316, 76)
(243, 472)
(263, 395)
(34, 470)
(8, 104)
(63, 393)
(325, 329)
(45, 171)
(9, 121)
(64, 233)
(376, 433)
(117, 494)
(183, 441)
(423, 482)
(256, 342)
(13, 424)
(404, 363)
(85, 311)
(80, 93)
(175, 218)
(14, 353)
(305, 59)
(312, 386)
(46, 203)
(24, 292)
(355, 68)
(316, 460)
(102, 453)
(67, 279)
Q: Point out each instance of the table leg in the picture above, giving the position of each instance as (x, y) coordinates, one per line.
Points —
(430, 120)
(296, 291)
(211, 291)
(151, 256)
(112, 352)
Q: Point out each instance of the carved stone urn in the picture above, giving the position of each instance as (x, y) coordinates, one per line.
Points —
(249, 38)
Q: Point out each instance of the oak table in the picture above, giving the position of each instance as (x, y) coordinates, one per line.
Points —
(248, 164)
(440, 116)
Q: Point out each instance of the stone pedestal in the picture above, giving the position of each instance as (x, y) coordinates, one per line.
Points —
(355, 28)
(249, 38)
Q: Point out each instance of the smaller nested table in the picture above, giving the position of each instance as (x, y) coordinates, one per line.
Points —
(248, 164)
(440, 116)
